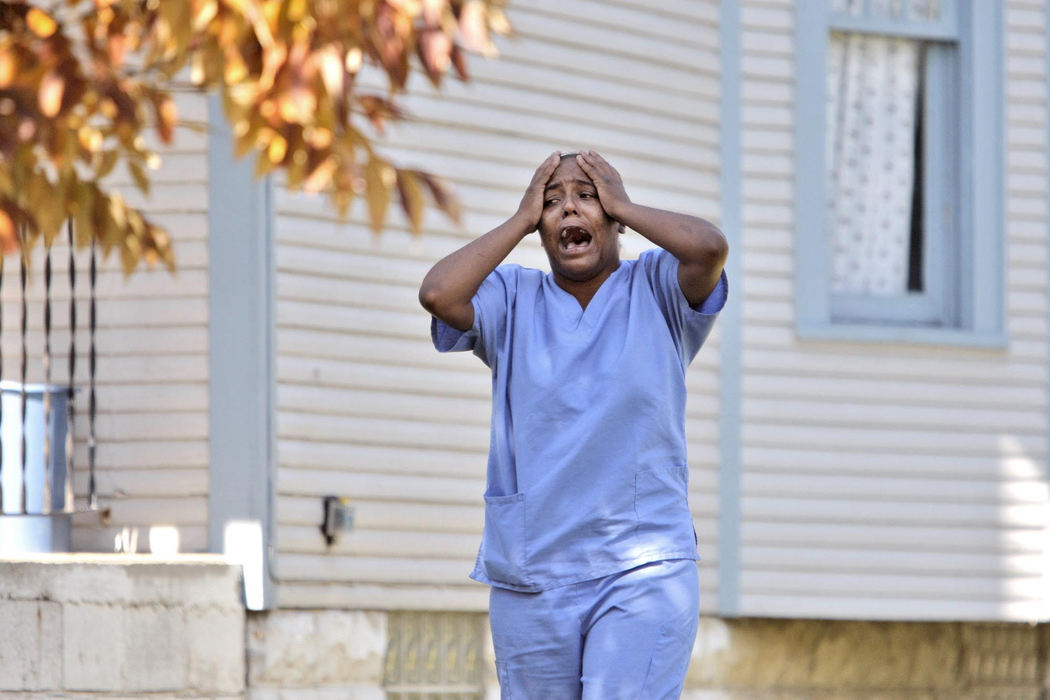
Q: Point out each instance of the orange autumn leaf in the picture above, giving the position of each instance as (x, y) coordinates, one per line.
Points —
(50, 97)
(8, 67)
(40, 23)
(8, 233)
(166, 114)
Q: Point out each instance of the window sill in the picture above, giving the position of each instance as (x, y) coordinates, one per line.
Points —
(952, 337)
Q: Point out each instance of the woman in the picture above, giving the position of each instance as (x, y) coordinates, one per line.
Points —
(588, 545)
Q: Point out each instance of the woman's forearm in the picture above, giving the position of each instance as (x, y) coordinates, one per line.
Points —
(700, 247)
(689, 238)
(698, 244)
(449, 286)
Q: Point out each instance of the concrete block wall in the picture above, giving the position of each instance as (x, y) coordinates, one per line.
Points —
(316, 653)
(329, 654)
(322, 654)
(77, 625)
(764, 659)
(121, 625)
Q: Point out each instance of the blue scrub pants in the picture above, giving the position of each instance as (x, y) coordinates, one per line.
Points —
(628, 635)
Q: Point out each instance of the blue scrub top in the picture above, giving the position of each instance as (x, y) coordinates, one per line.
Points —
(587, 471)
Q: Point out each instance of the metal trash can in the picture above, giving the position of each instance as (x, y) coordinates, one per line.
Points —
(45, 524)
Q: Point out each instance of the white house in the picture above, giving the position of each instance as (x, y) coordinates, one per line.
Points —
(867, 426)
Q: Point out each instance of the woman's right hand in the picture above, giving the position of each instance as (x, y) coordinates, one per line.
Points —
(531, 207)
(449, 287)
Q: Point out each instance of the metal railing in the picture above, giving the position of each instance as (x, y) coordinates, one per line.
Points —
(37, 422)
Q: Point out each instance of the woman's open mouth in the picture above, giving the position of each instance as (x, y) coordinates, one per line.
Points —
(574, 239)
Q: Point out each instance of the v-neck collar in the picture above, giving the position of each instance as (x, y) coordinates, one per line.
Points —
(569, 307)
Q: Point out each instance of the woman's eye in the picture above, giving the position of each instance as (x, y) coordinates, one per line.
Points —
(587, 195)
(549, 202)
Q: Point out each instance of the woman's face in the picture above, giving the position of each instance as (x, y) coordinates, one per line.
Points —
(579, 237)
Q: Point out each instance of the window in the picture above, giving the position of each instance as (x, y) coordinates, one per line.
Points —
(899, 142)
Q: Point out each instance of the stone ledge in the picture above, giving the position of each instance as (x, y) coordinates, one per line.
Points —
(124, 579)
(60, 695)
(122, 625)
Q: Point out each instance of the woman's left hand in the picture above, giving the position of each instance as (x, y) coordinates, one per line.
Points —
(607, 181)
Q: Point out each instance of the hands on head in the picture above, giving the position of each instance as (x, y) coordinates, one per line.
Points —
(531, 207)
(593, 203)
(606, 179)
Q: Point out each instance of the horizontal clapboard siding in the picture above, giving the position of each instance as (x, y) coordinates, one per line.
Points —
(152, 371)
(366, 408)
(890, 481)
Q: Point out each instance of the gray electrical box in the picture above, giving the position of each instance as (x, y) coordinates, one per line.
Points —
(338, 518)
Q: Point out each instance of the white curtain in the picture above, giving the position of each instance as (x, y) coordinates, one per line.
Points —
(870, 150)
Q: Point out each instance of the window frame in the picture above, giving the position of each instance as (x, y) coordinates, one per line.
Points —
(972, 311)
